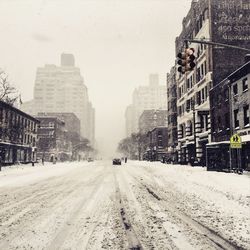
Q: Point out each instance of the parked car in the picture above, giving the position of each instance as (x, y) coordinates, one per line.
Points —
(90, 159)
(117, 161)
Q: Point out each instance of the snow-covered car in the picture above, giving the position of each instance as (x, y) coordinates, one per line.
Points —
(117, 161)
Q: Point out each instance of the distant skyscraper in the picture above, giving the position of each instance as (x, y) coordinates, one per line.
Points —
(129, 120)
(153, 96)
(153, 79)
(67, 60)
(151, 119)
(62, 89)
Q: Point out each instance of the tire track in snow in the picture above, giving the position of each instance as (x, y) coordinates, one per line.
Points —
(55, 196)
(133, 241)
(209, 234)
(61, 236)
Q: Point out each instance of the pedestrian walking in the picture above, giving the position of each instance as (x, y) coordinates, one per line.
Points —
(125, 159)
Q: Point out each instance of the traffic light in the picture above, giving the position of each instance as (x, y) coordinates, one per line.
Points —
(182, 61)
(186, 60)
(190, 59)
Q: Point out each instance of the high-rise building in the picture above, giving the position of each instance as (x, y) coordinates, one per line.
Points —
(62, 89)
(153, 96)
(218, 21)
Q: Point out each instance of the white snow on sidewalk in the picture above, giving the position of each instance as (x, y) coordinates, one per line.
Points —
(18, 175)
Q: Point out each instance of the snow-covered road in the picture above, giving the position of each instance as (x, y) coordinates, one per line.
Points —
(139, 205)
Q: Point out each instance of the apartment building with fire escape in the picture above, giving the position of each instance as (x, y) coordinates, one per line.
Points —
(207, 20)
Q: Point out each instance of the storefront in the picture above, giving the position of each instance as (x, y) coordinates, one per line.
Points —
(14, 153)
(218, 155)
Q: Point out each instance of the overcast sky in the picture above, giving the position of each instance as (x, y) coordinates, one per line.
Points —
(116, 44)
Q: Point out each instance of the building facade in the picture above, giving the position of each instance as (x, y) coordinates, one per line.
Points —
(62, 89)
(220, 112)
(151, 119)
(230, 114)
(158, 142)
(217, 21)
(172, 114)
(52, 143)
(18, 135)
(148, 97)
(240, 112)
(72, 125)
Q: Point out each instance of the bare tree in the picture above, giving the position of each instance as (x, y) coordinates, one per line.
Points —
(134, 146)
(8, 92)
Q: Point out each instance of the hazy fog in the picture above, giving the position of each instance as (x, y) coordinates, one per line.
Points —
(116, 44)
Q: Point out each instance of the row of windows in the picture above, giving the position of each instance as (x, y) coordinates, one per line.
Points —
(11, 118)
(188, 129)
(245, 117)
(17, 136)
(201, 72)
(201, 97)
(244, 85)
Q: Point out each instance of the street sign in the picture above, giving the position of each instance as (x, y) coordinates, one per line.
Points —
(235, 141)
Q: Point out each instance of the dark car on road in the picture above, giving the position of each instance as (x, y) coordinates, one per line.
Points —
(117, 161)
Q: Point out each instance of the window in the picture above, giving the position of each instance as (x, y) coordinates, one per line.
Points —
(244, 84)
(202, 71)
(236, 119)
(198, 97)
(227, 120)
(235, 89)
(198, 74)
(51, 124)
(202, 121)
(225, 93)
(202, 95)
(191, 128)
(246, 115)
(219, 123)
(206, 93)
(188, 105)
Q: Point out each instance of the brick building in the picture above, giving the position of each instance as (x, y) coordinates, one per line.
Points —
(230, 101)
(18, 135)
(218, 21)
(52, 142)
(151, 119)
(158, 142)
(72, 129)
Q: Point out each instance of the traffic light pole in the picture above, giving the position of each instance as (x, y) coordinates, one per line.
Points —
(202, 41)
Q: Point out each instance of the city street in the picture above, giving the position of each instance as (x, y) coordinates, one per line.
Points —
(139, 205)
